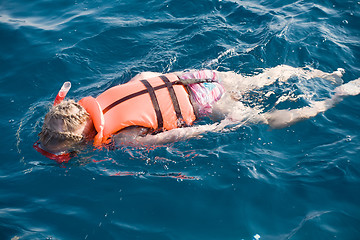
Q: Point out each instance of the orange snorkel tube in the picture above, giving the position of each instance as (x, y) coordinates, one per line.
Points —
(62, 93)
(60, 158)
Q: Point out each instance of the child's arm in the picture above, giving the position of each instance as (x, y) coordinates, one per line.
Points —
(130, 135)
(145, 75)
(138, 136)
(195, 74)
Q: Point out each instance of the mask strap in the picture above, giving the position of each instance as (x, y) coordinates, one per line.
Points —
(59, 158)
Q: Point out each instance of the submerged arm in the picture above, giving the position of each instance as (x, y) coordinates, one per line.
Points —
(130, 135)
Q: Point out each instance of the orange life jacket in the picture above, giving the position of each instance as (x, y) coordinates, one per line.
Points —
(159, 103)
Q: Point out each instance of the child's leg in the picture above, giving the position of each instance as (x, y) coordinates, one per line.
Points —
(284, 118)
(237, 83)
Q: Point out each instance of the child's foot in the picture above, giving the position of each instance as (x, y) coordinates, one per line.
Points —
(335, 76)
(351, 88)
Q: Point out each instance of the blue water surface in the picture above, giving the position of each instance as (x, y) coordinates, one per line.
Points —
(301, 182)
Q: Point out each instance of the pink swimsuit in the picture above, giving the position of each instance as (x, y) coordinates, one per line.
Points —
(207, 93)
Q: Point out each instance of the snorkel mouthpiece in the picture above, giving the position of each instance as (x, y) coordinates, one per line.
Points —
(62, 93)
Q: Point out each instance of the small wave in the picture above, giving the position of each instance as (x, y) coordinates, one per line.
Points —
(43, 23)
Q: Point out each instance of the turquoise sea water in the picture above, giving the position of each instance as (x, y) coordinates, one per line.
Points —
(301, 182)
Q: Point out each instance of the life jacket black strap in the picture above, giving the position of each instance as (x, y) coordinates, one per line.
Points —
(128, 97)
(175, 102)
(155, 103)
(151, 90)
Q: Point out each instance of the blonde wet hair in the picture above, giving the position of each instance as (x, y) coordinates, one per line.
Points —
(61, 122)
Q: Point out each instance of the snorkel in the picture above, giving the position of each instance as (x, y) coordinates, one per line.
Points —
(62, 157)
(62, 93)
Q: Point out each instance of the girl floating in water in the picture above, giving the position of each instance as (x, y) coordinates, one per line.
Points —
(152, 107)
